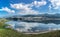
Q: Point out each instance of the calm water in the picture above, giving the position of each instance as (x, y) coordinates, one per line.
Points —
(28, 27)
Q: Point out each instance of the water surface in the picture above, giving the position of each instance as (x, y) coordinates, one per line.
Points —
(32, 26)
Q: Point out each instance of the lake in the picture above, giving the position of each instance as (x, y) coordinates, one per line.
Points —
(32, 26)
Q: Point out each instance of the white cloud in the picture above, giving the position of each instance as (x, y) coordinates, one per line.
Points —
(34, 3)
(29, 12)
(7, 10)
(55, 3)
(27, 8)
(39, 3)
(20, 6)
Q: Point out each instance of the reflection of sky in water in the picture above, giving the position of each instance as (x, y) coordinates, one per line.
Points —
(33, 26)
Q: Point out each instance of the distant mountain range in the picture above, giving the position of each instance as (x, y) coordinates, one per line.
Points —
(42, 18)
(41, 15)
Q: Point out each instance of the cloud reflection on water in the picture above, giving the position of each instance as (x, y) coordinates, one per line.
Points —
(24, 26)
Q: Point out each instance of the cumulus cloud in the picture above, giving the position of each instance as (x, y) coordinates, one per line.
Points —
(39, 3)
(29, 12)
(55, 3)
(20, 6)
(7, 10)
(27, 8)
(34, 3)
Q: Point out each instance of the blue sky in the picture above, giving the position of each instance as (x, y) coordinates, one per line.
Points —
(24, 7)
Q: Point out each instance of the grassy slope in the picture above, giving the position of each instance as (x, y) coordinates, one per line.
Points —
(8, 33)
(11, 33)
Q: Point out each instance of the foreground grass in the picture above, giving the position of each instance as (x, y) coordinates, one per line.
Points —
(12, 33)
(9, 33)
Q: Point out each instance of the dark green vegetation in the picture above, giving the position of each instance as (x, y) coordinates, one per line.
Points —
(6, 32)
(2, 23)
